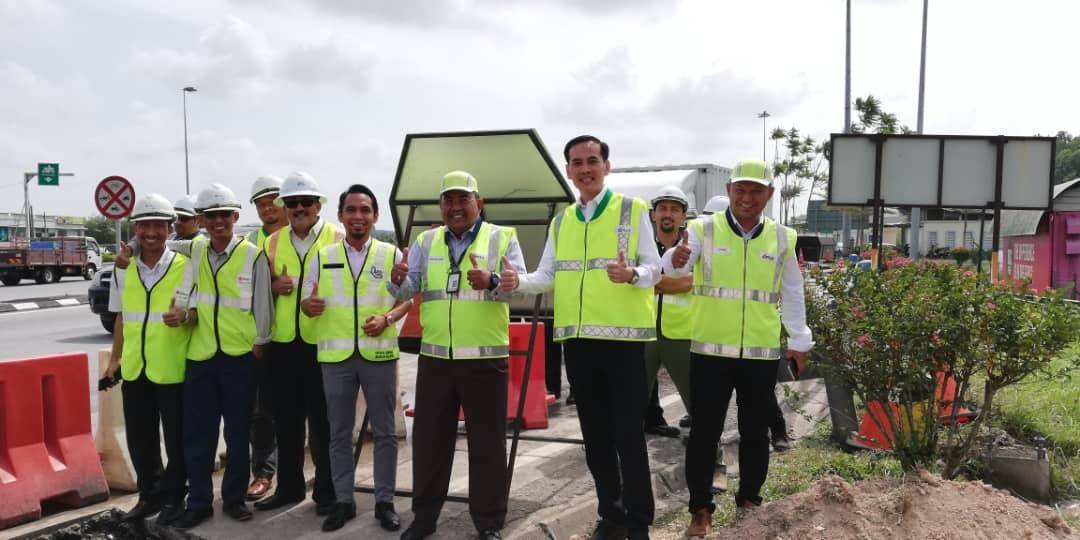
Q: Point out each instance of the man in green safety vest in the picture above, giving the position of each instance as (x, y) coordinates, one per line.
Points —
(463, 355)
(346, 290)
(601, 259)
(263, 441)
(230, 307)
(292, 355)
(746, 284)
(150, 357)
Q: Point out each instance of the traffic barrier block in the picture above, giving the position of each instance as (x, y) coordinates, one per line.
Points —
(534, 415)
(111, 435)
(46, 448)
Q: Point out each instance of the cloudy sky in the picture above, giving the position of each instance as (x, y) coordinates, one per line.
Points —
(333, 86)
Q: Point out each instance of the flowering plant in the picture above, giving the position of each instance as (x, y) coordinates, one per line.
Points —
(895, 335)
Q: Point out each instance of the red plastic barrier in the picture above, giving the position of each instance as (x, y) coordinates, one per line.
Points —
(46, 448)
(537, 400)
(870, 436)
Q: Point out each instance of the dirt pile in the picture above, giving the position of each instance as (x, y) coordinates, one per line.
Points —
(922, 508)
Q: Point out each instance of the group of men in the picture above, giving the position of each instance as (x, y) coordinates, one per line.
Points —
(707, 300)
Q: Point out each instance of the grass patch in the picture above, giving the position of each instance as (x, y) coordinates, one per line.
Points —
(796, 470)
(1048, 407)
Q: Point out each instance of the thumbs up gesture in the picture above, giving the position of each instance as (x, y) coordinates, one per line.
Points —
(313, 306)
(681, 256)
(283, 284)
(401, 269)
(619, 271)
(508, 278)
(175, 316)
(479, 278)
(123, 256)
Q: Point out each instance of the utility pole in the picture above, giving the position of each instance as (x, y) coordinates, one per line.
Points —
(845, 227)
(187, 177)
(763, 115)
(916, 212)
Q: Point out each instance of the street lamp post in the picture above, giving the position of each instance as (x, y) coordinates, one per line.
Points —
(763, 115)
(187, 176)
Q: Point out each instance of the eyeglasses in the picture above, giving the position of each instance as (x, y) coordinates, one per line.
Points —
(306, 202)
(217, 215)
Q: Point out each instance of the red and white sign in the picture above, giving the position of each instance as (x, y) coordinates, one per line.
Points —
(114, 197)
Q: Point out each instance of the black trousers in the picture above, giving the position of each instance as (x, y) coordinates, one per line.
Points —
(214, 390)
(298, 397)
(146, 405)
(712, 379)
(608, 382)
(479, 388)
(553, 360)
(263, 439)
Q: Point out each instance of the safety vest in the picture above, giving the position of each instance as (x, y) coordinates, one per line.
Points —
(735, 308)
(350, 301)
(587, 304)
(258, 237)
(226, 322)
(288, 319)
(148, 343)
(674, 314)
(467, 323)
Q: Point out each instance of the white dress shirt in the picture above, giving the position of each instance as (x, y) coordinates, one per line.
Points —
(648, 270)
(150, 275)
(357, 258)
(792, 301)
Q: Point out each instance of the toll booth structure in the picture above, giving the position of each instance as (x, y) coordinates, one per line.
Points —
(1044, 247)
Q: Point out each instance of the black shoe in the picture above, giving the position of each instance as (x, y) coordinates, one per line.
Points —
(324, 508)
(570, 399)
(341, 513)
(277, 501)
(169, 514)
(781, 442)
(415, 532)
(638, 534)
(142, 510)
(663, 430)
(608, 530)
(490, 534)
(685, 421)
(192, 518)
(237, 510)
(386, 516)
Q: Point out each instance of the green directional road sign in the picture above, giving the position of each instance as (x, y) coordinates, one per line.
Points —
(48, 174)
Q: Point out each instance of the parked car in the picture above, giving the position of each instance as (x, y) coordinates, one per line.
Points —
(98, 294)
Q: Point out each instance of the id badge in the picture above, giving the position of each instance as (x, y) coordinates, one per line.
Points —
(453, 281)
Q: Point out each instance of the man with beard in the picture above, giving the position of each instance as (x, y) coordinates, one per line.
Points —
(346, 290)
(186, 226)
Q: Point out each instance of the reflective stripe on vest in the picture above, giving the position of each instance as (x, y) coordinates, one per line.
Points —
(737, 288)
(587, 303)
(675, 316)
(468, 323)
(149, 344)
(224, 300)
(282, 255)
(350, 301)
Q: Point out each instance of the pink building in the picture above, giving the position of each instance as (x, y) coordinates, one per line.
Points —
(1044, 246)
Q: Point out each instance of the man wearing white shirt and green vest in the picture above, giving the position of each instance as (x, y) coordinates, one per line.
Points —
(231, 312)
(746, 284)
(463, 355)
(150, 357)
(297, 379)
(346, 291)
(601, 260)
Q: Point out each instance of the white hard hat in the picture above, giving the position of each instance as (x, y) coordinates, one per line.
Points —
(185, 206)
(152, 206)
(671, 193)
(265, 185)
(716, 204)
(217, 197)
(299, 184)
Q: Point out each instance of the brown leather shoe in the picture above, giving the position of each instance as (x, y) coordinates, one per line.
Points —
(259, 488)
(700, 524)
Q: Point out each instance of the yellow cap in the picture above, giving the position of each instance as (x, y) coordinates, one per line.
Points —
(752, 170)
(458, 181)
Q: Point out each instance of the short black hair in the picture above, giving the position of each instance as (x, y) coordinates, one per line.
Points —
(604, 150)
(358, 188)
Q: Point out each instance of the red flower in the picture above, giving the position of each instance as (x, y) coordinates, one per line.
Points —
(864, 340)
(935, 339)
(990, 306)
(858, 313)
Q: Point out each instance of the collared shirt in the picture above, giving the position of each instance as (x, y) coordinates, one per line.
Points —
(792, 301)
(543, 278)
(357, 258)
(150, 275)
(414, 280)
(303, 245)
(262, 299)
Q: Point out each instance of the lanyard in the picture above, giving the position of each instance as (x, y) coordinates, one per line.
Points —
(455, 264)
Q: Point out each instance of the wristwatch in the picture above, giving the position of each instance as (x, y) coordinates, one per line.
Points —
(494, 282)
(633, 280)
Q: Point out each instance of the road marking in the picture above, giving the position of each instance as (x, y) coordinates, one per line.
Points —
(45, 311)
(68, 301)
(24, 305)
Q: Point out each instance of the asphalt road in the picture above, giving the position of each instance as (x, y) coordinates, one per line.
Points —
(50, 331)
(69, 286)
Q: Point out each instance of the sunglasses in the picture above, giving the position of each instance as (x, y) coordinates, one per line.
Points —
(306, 202)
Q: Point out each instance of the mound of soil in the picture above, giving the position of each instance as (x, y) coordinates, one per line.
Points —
(919, 508)
(108, 525)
